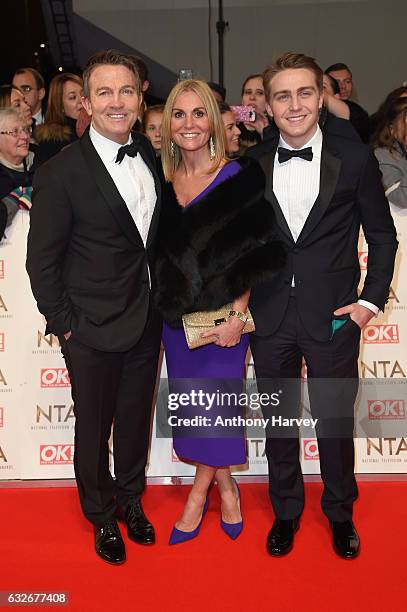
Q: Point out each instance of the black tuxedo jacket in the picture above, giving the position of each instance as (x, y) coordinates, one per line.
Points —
(86, 260)
(324, 260)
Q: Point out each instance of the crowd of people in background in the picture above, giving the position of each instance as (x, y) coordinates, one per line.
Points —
(242, 218)
(49, 128)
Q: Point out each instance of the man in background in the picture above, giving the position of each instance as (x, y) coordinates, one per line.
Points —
(358, 116)
(31, 83)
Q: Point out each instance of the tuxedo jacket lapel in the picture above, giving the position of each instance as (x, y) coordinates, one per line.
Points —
(330, 169)
(109, 191)
(267, 163)
(111, 194)
(148, 156)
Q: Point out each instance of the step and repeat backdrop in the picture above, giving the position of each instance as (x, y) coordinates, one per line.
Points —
(36, 412)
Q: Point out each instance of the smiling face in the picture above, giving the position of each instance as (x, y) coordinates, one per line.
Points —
(232, 132)
(345, 82)
(72, 99)
(153, 128)
(253, 94)
(19, 102)
(295, 102)
(14, 148)
(189, 122)
(113, 101)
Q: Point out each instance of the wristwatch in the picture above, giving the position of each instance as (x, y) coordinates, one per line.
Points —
(240, 315)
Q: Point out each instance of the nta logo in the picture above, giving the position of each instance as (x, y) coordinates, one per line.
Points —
(382, 369)
(57, 413)
(51, 340)
(386, 446)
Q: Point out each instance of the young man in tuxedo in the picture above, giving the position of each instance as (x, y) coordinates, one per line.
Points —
(323, 187)
(93, 225)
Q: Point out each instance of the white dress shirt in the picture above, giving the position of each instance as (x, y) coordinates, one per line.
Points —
(133, 180)
(296, 187)
(39, 117)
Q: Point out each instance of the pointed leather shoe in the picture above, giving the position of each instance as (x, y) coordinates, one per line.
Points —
(139, 528)
(280, 540)
(178, 537)
(109, 544)
(345, 538)
(233, 530)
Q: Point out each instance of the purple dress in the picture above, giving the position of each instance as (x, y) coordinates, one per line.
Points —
(213, 369)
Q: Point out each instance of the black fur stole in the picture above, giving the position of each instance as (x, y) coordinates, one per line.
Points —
(213, 251)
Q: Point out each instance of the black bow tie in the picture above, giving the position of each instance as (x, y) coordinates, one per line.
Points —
(286, 154)
(130, 149)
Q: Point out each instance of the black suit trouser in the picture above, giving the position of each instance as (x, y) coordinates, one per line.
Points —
(332, 373)
(112, 388)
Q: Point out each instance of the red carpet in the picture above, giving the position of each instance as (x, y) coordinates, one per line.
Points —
(47, 546)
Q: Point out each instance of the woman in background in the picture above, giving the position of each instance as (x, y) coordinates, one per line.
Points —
(216, 240)
(64, 105)
(16, 165)
(12, 97)
(152, 120)
(376, 118)
(253, 95)
(390, 142)
(232, 132)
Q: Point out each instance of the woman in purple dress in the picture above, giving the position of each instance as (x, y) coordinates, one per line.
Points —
(216, 241)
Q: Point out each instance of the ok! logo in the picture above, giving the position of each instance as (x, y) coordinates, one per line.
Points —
(55, 377)
(381, 334)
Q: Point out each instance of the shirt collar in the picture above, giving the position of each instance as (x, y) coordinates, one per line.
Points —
(106, 148)
(315, 143)
(38, 117)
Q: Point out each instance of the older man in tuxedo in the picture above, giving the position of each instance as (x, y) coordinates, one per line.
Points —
(323, 187)
(93, 225)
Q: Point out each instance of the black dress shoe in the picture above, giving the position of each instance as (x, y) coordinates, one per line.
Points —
(109, 544)
(139, 528)
(280, 539)
(345, 539)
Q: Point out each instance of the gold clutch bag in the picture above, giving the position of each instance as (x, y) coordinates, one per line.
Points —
(197, 323)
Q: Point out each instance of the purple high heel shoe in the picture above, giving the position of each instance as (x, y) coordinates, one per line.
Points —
(233, 530)
(178, 537)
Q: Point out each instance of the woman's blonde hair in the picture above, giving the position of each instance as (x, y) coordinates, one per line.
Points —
(171, 161)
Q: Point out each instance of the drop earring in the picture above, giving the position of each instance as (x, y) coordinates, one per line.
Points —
(172, 148)
(212, 151)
